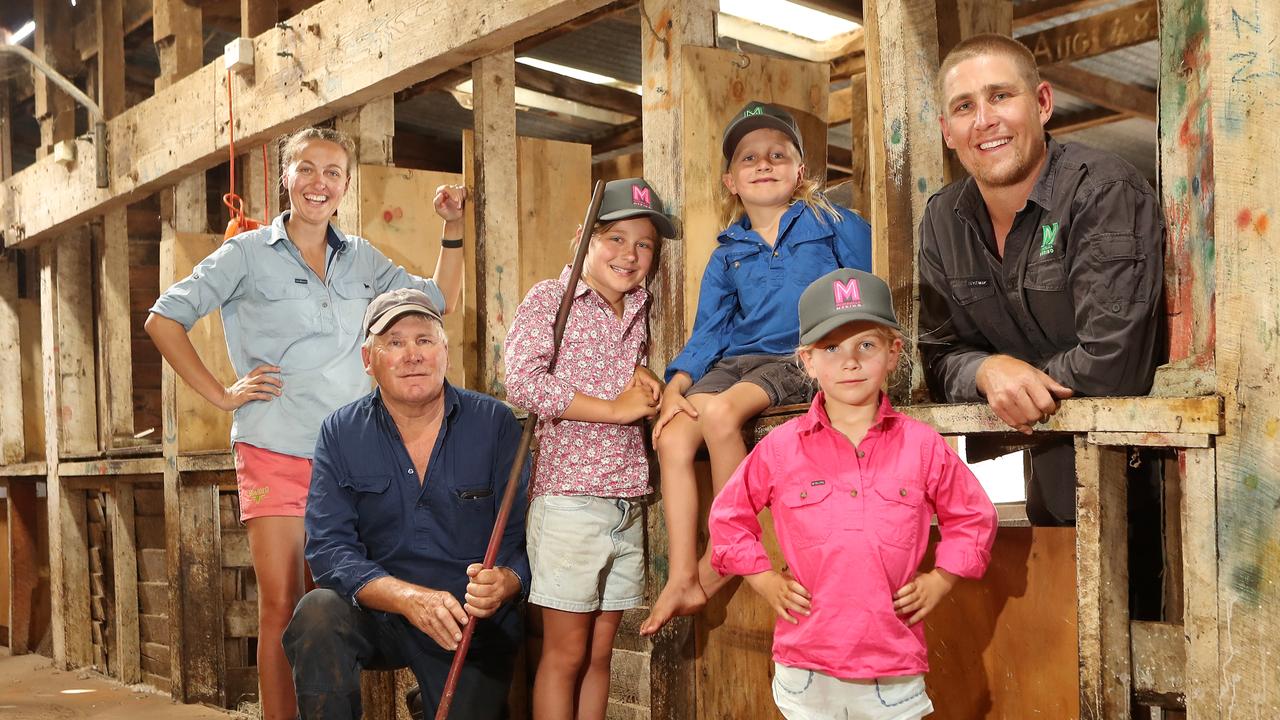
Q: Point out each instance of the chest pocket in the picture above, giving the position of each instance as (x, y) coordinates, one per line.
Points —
(474, 511)
(967, 291)
(352, 298)
(746, 267)
(901, 513)
(807, 514)
(810, 259)
(370, 501)
(285, 310)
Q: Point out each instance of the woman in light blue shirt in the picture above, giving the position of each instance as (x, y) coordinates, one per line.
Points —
(293, 296)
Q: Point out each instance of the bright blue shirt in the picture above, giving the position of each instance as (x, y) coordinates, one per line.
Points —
(750, 291)
(277, 311)
(369, 517)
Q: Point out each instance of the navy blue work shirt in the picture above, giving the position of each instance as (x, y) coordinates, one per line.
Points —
(750, 292)
(368, 517)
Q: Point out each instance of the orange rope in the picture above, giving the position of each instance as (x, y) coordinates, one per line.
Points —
(239, 221)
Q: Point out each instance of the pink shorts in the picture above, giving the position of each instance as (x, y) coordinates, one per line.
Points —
(271, 483)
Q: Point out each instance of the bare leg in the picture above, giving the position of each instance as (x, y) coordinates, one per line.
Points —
(593, 692)
(722, 419)
(677, 446)
(276, 546)
(565, 640)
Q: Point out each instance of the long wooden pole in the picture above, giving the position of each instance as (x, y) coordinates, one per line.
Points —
(526, 437)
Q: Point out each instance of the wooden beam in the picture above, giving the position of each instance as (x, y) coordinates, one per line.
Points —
(1083, 120)
(496, 209)
(134, 14)
(961, 19)
(1094, 35)
(1203, 669)
(623, 136)
(584, 19)
(667, 26)
(6, 129)
(55, 110)
(1101, 90)
(587, 93)
(258, 16)
(148, 151)
(847, 9)
(859, 153)
(24, 566)
(1151, 439)
(259, 186)
(1102, 582)
(906, 147)
(840, 105)
(372, 126)
(1159, 658)
(12, 442)
(126, 661)
(1031, 12)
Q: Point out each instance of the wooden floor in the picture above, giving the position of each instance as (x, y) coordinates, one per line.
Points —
(32, 689)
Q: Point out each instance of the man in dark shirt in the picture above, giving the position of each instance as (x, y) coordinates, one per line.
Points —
(404, 493)
(1041, 274)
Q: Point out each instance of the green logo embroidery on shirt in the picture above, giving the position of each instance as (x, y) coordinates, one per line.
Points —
(1048, 233)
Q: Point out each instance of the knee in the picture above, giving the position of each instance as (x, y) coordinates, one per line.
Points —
(678, 441)
(720, 419)
(562, 660)
(276, 609)
(316, 618)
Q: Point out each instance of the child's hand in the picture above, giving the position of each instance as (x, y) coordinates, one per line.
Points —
(449, 202)
(673, 402)
(922, 594)
(783, 593)
(633, 404)
(644, 377)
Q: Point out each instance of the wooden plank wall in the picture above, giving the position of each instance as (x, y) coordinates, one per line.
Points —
(153, 584)
(553, 191)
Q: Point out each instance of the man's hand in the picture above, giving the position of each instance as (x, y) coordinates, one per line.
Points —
(644, 377)
(783, 593)
(920, 596)
(489, 589)
(633, 404)
(434, 612)
(1020, 394)
(260, 384)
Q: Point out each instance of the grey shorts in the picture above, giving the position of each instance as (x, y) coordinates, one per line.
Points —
(785, 382)
(587, 553)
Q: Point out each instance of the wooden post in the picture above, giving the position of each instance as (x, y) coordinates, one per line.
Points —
(24, 567)
(63, 273)
(1102, 581)
(496, 210)
(1244, 78)
(257, 17)
(126, 661)
(906, 146)
(959, 20)
(860, 152)
(12, 443)
(54, 108)
(666, 26)
(372, 127)
(1200, 582)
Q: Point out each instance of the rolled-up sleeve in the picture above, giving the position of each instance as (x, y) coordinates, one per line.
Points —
(527, 355)
(717, 302)
(734, 525)
(950, 360)
(513, 553)
(966, 518)
(216, 280)
(1116, 280)
(338, 560)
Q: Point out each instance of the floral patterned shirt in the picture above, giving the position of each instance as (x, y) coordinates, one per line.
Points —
(598, 357)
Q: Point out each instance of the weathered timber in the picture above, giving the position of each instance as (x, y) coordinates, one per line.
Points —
(1203, 672)
(1159, 657)
(1095, 34)
(149, 151)
(126, 658)
(1101, 90)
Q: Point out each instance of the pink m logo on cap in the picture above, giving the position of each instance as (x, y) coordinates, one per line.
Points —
(641, 196)
(846, 293)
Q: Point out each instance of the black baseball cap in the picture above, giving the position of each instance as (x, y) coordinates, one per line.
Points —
(754, 116)
(844, 296)
(632, 197)
(394, 304)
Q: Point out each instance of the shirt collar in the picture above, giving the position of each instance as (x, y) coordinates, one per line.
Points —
(452, 402)
(969, 203)
(740, 229)
(816, 418)
(335, 237)
(634, 298)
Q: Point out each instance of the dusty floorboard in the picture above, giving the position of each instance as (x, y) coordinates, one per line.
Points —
(32, 689)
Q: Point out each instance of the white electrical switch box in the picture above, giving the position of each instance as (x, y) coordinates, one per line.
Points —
(238, 55)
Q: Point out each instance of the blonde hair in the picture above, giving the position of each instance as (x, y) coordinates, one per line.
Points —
(991, 44)
(291, 145)
(807, 191)
(885, 332)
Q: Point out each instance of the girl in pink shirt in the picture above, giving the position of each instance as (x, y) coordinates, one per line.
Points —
(852, 486)
(585, 529)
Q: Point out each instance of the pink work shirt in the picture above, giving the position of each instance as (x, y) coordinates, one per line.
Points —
(853, 525)
(598, 357)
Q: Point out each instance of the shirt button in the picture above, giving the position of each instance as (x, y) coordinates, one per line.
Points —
(902, 492)
(804, 495)
(410, 471)
(861, 454)
(853, 493)
(737, 264)
(1115, 307)
(775, 253)
(325, 304)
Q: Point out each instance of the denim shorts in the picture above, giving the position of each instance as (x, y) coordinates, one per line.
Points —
(587, 553)
(811, 695)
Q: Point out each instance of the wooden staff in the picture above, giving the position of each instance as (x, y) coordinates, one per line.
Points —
(526, 437)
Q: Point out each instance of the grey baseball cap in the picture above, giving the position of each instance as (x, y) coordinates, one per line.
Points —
(395, 304)
(844, 296)
(754, 116)
(633, 197)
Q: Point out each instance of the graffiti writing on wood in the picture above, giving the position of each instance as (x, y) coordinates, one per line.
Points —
(1094, 35)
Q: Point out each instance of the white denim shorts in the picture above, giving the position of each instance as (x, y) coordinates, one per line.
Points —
(587, 553)
(810, 695)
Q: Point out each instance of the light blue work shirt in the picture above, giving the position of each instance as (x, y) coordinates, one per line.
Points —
(277, 311)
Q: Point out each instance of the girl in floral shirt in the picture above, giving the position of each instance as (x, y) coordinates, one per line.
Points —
(585, 536)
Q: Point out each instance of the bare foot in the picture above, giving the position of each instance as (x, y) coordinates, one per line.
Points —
(676, 599)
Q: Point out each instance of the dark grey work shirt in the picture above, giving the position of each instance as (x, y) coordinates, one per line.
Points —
(1077, 293)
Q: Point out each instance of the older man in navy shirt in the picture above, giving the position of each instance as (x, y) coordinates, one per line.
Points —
(404, 493)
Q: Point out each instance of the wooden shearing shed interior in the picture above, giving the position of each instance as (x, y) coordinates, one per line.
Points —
(120, 546)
